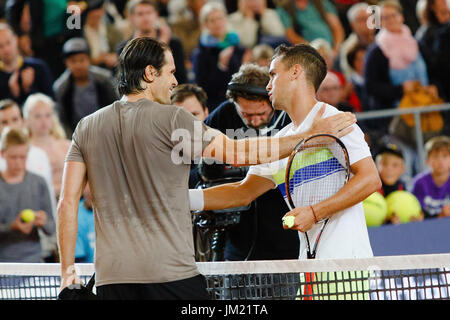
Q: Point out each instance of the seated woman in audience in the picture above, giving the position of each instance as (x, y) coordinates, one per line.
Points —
(218, 55)
(394, 63)
(47, 133)
(21, 190)
(306, 20)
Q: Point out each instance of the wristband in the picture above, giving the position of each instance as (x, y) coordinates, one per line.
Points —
(196, 202)
(314, 214)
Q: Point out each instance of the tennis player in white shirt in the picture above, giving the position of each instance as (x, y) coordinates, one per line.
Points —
(295, 75)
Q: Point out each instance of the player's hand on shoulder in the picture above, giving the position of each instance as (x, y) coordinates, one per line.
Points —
(337, 125)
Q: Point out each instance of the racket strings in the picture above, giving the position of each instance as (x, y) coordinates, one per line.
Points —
(317, 172)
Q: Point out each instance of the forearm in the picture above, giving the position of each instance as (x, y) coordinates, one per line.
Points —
(67, 234)
(252, 151)
(225, 196)
(358, 188)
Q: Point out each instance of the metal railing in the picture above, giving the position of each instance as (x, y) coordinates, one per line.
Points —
(416, 112)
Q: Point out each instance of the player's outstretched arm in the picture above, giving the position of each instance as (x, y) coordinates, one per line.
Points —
(364, 182)
(235, 194)
(252, 151)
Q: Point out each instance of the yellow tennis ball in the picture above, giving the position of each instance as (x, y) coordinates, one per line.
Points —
(27, 215)
(289, 221)
(375, 209)
(404, 204)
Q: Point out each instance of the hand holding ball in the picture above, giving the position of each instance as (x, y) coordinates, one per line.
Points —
(27, 215)
(289, 221)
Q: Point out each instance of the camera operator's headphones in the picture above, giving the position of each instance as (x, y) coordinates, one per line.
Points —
(248, 88)
(258, 91)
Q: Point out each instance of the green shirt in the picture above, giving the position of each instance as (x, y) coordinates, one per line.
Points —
(312, 24)
(54, 17)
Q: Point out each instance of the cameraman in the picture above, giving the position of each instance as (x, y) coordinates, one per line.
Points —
(247, 113)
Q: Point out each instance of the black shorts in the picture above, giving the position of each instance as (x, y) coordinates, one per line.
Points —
(187, 289)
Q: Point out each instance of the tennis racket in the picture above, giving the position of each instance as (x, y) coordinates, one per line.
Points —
(317, 168)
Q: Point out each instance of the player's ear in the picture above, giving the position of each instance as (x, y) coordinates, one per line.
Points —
(149, 73)
(297, 70)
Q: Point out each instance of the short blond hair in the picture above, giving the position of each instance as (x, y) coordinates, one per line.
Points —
(436, 144)
(13, 137)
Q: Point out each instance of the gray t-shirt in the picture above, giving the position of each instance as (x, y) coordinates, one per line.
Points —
(31, 193)
(143, 225)
(85, 100)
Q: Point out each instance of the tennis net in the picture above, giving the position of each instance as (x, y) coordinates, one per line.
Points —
(415, 277)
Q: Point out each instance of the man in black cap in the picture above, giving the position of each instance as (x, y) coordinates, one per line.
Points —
(248, 112)
(82, 88)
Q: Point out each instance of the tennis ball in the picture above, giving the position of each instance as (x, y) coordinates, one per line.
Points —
(404, 204)
(289, 221)
(27, 215)
(375, 209)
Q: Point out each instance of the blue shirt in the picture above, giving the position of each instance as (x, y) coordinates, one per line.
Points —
(85, 246)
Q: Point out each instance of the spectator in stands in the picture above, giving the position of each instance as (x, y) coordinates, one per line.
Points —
(85, 246)
(356, 58)
(102, 36)
(192, 98)
(144, 17)
(331, 92)
(82, 88)
(306, 20)
(437, 16)
(249, 112)
(47, 133)
(394, 63)
(37, 161)
(347, 93)
(218, 55)
(391, 167)
(361, 35)
(393, 68)
(433, 188)
(188, 29)
(255, 23)
(20, 76)
(262, 55)
(20, 190)
(53, 22)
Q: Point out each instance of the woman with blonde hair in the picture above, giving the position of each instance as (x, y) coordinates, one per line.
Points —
(47, 133)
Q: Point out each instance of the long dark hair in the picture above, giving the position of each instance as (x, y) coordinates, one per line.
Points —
(135, 57)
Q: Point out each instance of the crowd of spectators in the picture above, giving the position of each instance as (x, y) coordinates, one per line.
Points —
(58, 64)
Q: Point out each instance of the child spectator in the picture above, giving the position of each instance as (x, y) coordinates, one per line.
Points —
(20, 190)
(47, 133)
(433, 188)
(391, 166)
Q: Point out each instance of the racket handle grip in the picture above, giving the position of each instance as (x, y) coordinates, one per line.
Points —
(314, 214)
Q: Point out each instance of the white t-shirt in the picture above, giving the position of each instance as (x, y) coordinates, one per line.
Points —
(345, 235)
